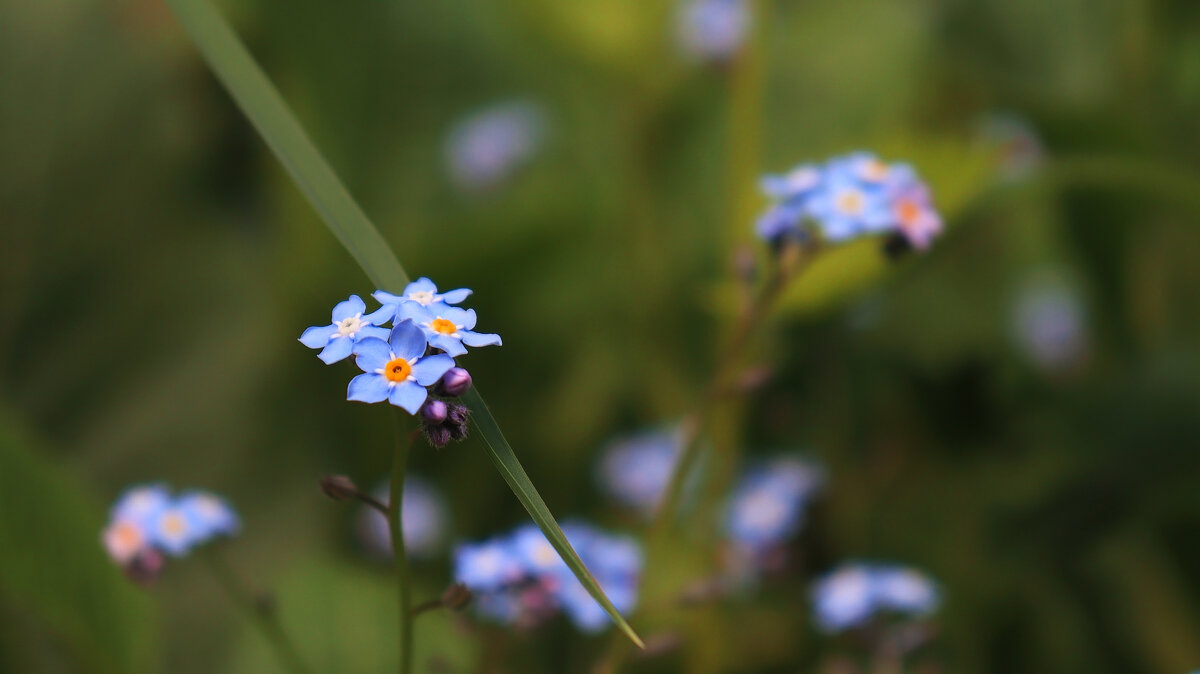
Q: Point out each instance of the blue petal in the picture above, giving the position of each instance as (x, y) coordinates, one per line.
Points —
(373, 354)
(414, 312)
(431, 368)
(407, 340)
(420, 285)
(350, 307)
(384, 297)
(381, 315)
(318, 336)
(372, 331)
(448, 344)
(338, 349)
(463, 317)
(408, 395)
(368, 388)
(479, 338)
(455, 296)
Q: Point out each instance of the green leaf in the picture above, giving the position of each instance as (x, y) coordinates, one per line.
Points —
(259, 100)
(53, 568)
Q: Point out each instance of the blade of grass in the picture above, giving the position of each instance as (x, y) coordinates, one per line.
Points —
(270, 115)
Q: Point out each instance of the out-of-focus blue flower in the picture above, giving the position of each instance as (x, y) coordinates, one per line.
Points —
(485, 148)
(423, 292)
(147, 521)
(422, 514)
(635, 471)
(713, 30)
(487, 567)
(1050, 323)
(768, 505)
(397, 370)
(847, 197)
(211, 514)
(447, 328)
(521, 580)
(349, 326)
(853, 593)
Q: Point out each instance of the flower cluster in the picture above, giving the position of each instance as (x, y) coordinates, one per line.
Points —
(847, 197)
(768, 507)
(148, 522)
(519, 579)
(487, 147)
(422, 516)
(402, 364)
(852, 594)
(713, 30)
(635, 470)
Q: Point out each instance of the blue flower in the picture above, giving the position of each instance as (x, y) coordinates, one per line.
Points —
(486, 148)
(141, 504)
(177, 530)
(447, 328)
(423, 292)
(713, 29)
(853, 593)
(847, 197)
(1049, 323)
(768, 504)
(423, 516)
(636, 470)
(397, 370)
(211, 514)
(487, 567)
(349, 327)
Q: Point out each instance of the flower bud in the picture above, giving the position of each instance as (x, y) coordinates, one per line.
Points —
(339, 487)
(434, 411)
(455, 382)
(437, 435)
(145, 568)
(896, 246)
(456, 597)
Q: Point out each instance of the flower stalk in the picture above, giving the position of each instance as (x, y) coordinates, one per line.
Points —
(396, 527)
(259, 609)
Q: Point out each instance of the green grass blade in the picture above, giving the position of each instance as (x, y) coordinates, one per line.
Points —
(510, 468)
(269, 114)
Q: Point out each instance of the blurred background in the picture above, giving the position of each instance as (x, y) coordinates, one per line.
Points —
(1015, 413)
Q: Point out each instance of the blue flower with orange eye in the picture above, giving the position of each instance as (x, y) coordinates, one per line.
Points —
(211, 514)
(350, 325)
(847, 206)
(397, 370)
(423, 292)
(447, 328)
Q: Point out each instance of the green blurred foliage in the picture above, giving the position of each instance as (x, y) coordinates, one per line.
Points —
(156, 266)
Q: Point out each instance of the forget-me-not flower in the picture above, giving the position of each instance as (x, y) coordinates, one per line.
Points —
(636, 470)
(713, 29)
(397, 370)
(350, 325)
(147, 521)
(210, 513)
(447, 328)
(852, 594)
(423, 292)
(1049, 323)
(488, 566)
(486, 147)
(769, 502)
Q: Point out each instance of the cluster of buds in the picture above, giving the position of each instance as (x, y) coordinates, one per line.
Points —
(411, 364)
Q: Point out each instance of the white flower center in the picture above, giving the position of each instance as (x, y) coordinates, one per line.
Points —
(349, 326)
(422, 297)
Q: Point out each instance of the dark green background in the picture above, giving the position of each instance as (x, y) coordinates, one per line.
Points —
(157, 267)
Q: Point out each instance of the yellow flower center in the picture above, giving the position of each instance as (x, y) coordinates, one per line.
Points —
(443, 326)
(907, 212)
(397, 370)
(173, 525)
(126, 535)
(850, 202)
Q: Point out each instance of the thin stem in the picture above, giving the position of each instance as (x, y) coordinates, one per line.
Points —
(395, 525)
(425, 607)
(260, 612)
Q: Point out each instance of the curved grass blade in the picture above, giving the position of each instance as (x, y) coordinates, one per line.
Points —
(258, 99)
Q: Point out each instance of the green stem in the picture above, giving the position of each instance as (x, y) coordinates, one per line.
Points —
(258, 611)
(396, 526)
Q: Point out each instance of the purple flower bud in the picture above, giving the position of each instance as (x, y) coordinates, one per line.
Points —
(455, 382)
(434, 411)
(338, 487)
